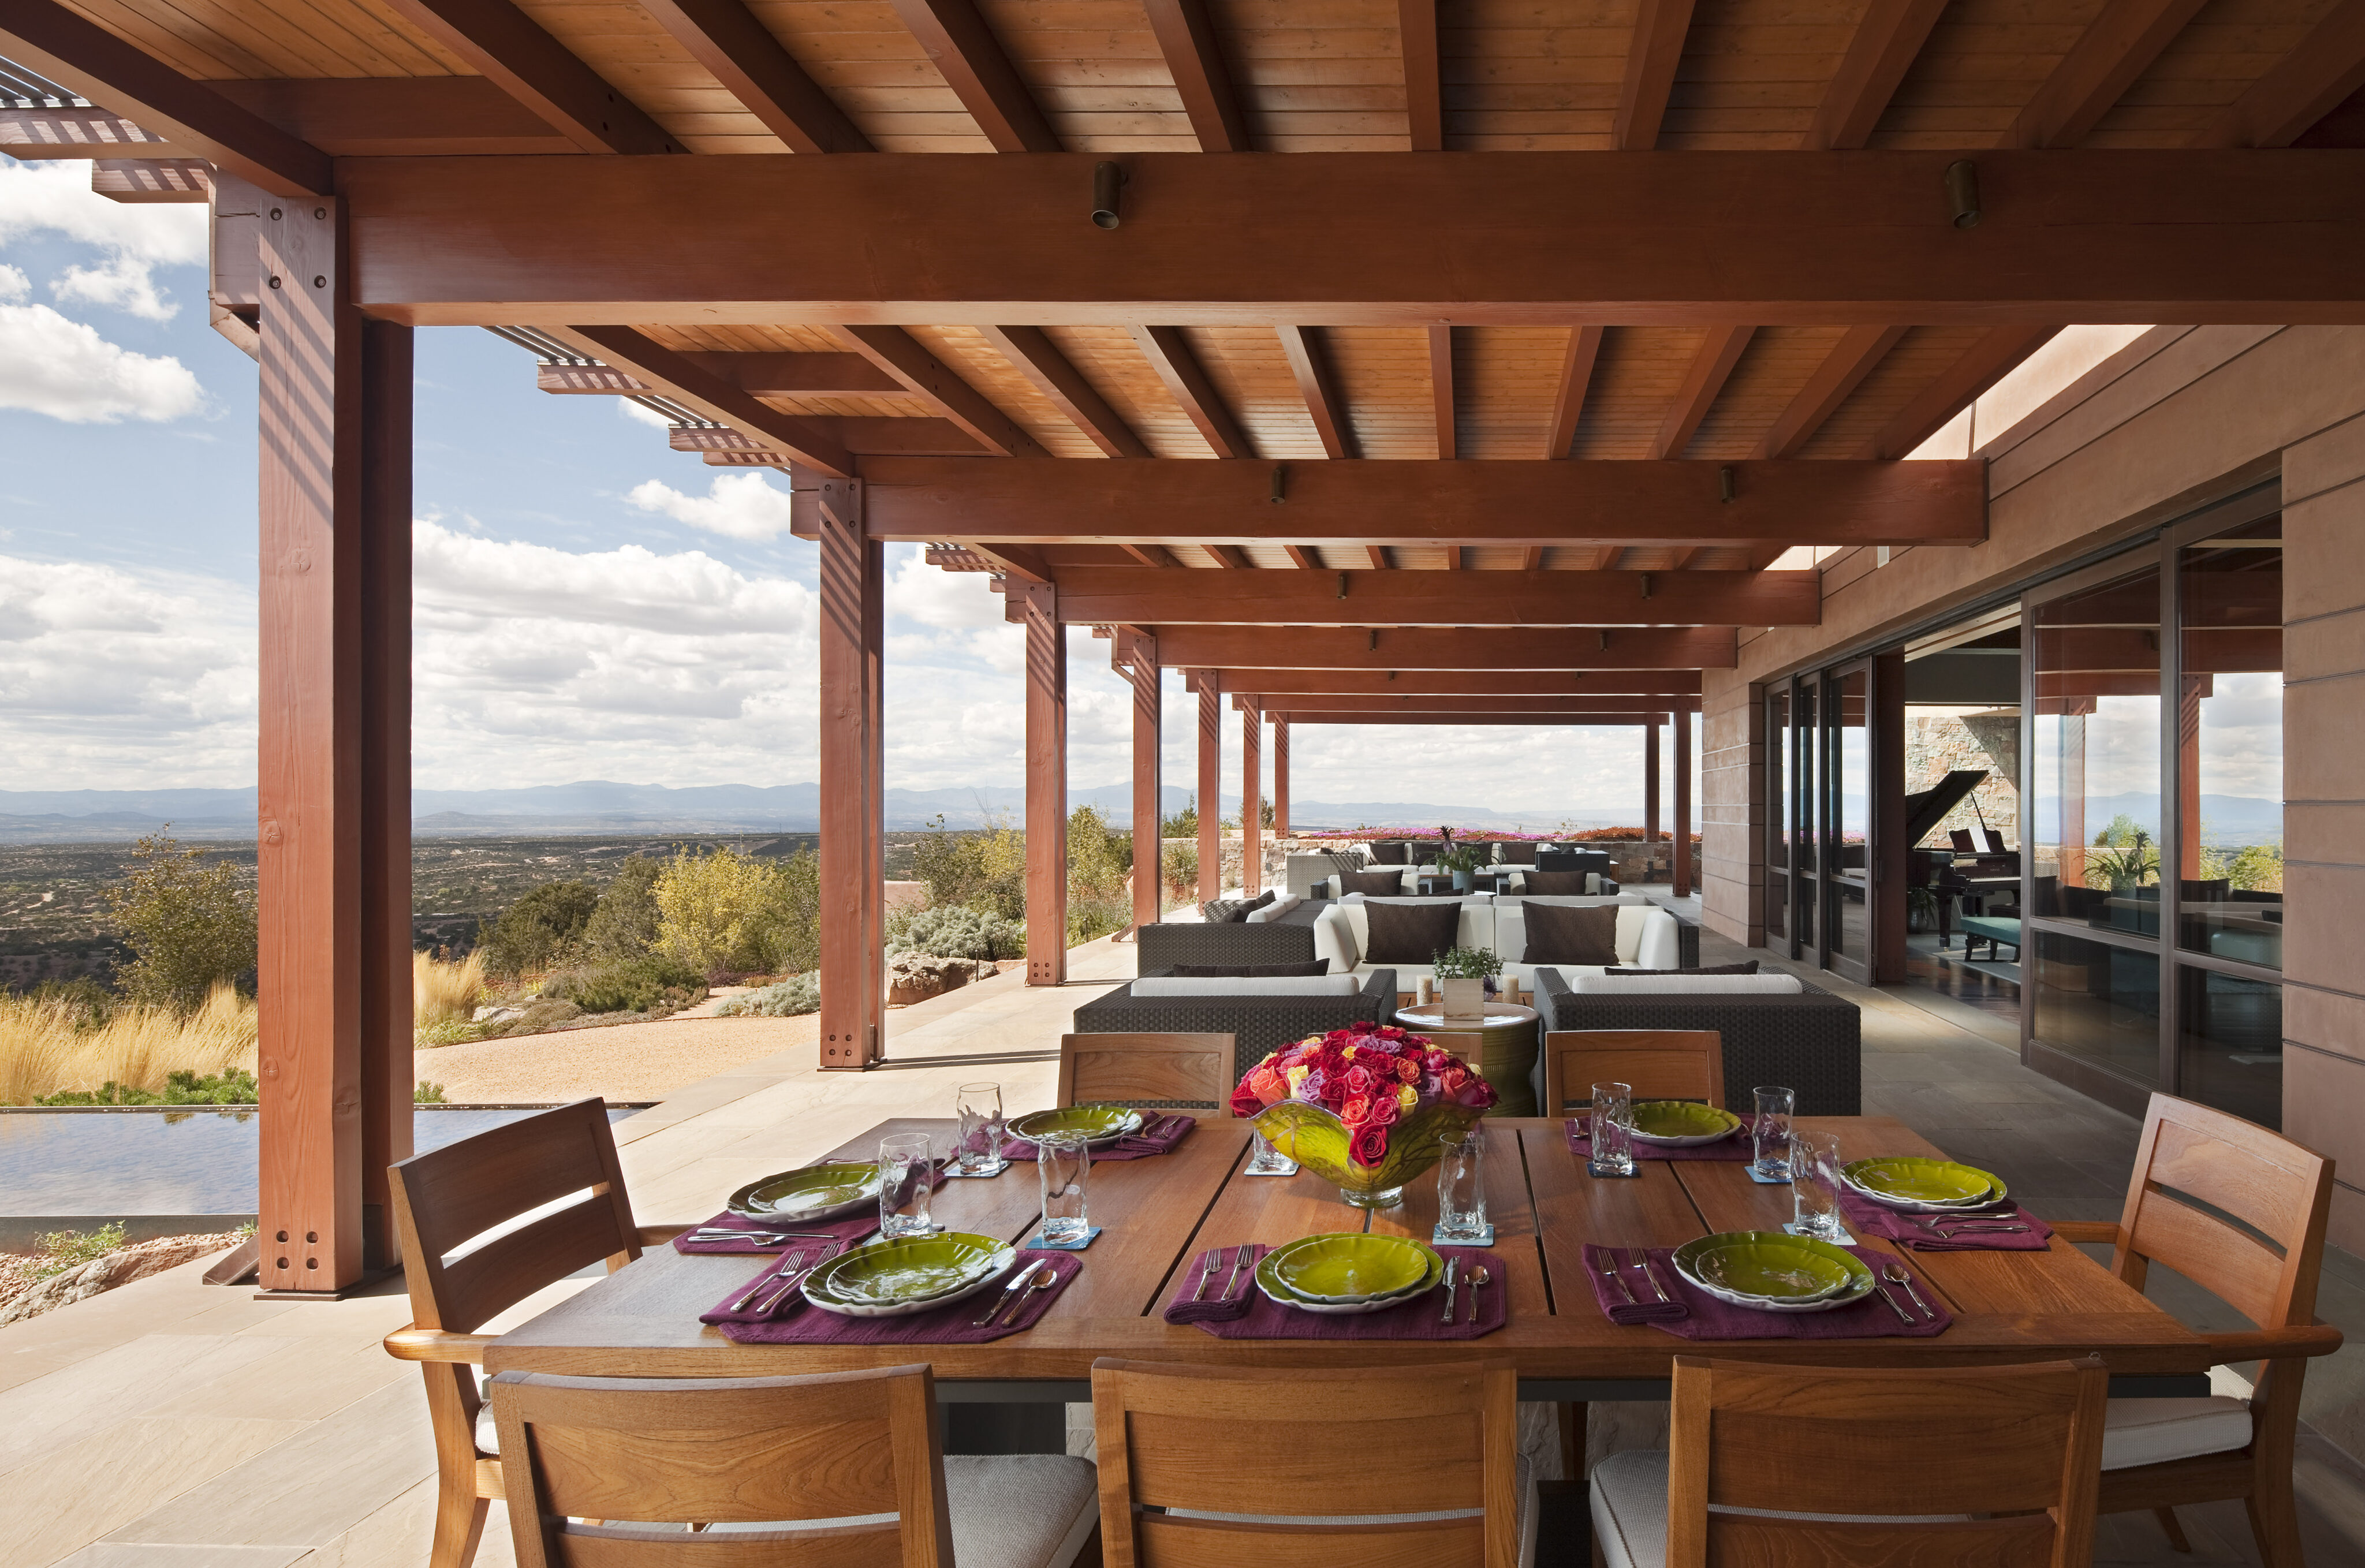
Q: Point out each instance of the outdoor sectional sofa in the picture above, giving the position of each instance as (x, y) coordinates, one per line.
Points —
(1284, 939)
(1262, 1015)
(1649, 934)
(1314, 874)
(1776, 1028)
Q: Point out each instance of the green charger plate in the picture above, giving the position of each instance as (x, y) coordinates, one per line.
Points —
(1909, 1182)
(1682, 1124)
(1097, 1123)
(1269, 1281)
(1772, 1270)
(1351, 1266)
(816, 1191)
(908, 1271)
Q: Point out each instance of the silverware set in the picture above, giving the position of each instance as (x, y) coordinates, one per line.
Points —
(1036, 1276)
(1620, 1260)
(788, 1275)
(1893, 1275)
(707, 1234)
(1215, 1260)
(1475, 1279)
(1952, 1227)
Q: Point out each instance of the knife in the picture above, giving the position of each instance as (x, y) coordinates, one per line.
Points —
(1452, 1280)
(1024, 1276)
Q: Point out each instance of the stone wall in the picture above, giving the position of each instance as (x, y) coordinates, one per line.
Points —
(1936, 744)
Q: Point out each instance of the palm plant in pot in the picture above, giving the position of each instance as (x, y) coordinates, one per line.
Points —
(1464, 977)
(1464, 860)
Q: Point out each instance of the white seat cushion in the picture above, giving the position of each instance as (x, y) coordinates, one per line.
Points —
(1629, 1501)
(1523, 1484)
(1594, 982)
(1263, 985)
(1018, 1511)
(2152, 1431)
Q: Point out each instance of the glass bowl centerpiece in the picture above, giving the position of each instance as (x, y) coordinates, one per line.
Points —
(1366, 1108)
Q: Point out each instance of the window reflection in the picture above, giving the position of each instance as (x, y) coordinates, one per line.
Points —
(2230, 1044)
(2230, 745)
(2099, 1003)
(2094, 833)
(1778, 810)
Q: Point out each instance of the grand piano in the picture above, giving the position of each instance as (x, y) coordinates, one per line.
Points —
(1971, 870)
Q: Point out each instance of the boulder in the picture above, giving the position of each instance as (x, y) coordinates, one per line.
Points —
(915, 977)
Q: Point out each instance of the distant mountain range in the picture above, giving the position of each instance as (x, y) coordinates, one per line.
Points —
(59, 816)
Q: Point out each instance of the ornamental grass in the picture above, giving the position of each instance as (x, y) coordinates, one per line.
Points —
(42, 1050)
(440, 989)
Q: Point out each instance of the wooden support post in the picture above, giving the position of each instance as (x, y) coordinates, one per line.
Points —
(1281, 778)
(1682, 874)
(1138, 654)
(1650, 791)
(1037, 606)
(1211, 783)
(853, 934)
(1251, 801)
(387, 1079)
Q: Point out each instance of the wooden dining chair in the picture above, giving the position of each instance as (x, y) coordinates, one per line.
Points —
(1208, 1467)
(2240, 1212)
(1170, 1071)
(1803, 1466)
(842, 1470)
(1661, 1064)
(445, 1199)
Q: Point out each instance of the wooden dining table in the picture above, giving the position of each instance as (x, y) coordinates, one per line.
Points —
(1157, 1214)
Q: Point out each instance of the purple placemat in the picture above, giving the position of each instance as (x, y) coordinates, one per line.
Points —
(1233, 1284)
(777, 1278)
(806, 1323)
(1737, 1148)
(1707, 1318)
(846, 1229)
(1416, 1320)
(1158, 1137)
(1973, 1230)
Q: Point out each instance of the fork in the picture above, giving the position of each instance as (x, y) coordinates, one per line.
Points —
(1208, 1274)
(1608, 1271)
(789, 1266)
(1643, 1261)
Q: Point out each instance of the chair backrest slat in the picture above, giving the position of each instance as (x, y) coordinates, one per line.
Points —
(477, 1285)
(1168, 1543)
(595, 1547)
(1171, 1070)
(1661, 1064)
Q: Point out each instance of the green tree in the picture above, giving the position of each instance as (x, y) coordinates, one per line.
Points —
(1183, 824)
(721, 914)
(624, 923)
(190, 924)
(985, 869)
(1098, 860)
(793, 941)
(544, 927)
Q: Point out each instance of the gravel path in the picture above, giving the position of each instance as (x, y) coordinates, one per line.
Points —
(630, 1063)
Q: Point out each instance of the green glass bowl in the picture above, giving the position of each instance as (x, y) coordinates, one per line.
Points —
(1094, 1123)
(908, 1272)
(1269, 1281)
(1911, 1183)
(1317, 1140)
(1352, 1266)
(1772, 1270)
(1682, 1124)
(816, 1191)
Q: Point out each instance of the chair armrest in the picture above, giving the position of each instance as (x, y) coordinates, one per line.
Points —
(437, 1345)
(2103, 1230)
(2274, 1344)
(659, 1235)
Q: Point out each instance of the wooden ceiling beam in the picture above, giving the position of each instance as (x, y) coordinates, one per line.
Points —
(1533, 558)
(1458, 649)
(1015, 561)
(1379, 555)
(709, 394)
(1151, 554)
(1479, 702)
(511, 49)
(1575, 380)
(141, 181)
(68, 47)
(743, 54)
(1711, 367)
(1440, 388)
(1997, 352)
(1035, 356)
(903, 356)
(1303, 558)
(1456, 715)
(42, 135)
(1186, 36)
(859, 436)
(1170, 355)
(979, 71)
(2115, 49)
(1424, 83)
(1089, 594)
(1843, 371)
(1183, 500)
(1657, 48)
(1309, 362)
(1285, 683)
(768, 374)
(1882, 50)
(2298, 90)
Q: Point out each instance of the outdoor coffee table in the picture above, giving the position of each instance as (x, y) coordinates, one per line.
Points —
(1157, 1214)
(1507, 1054)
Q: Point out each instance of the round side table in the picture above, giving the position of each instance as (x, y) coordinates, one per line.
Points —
(1507, 1048)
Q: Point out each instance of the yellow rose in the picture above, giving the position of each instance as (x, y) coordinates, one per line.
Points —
(1407, 1097)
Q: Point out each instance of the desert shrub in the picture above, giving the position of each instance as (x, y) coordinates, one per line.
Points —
(541, 929)
(792, 997)
(87, 1002)
(1183, 824)
(45, 1048)
(635, 985)
(1094, 915)
(958, 932)
(191, 926)
(625, 923)
(64, 1249)
(235, 1086)
(985, 870)
(1180, 868)
(792, 939)
(714, 911)
(444, 1032)
(428, 1094)
(440, 989)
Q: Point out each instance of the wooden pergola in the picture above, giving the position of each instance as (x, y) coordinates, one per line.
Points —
(1506, 347)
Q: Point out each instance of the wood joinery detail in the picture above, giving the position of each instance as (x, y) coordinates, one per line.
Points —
(1038, 359)
(743, 54)
(1551, 648)
(511, 49)
(1883, 48)
(852, 635)
(1186, 36)
(1170, 355)
(1841, 372)
(1309, 363)
(1711, 367)
(2301, 89)
(979, 72)
(900, 355)
(710, 395)
(1097, 595)
(2105, 61)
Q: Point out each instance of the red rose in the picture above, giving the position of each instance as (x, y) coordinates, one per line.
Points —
(1407, 1071)
(1385, 1109)
(1355, 1110)
(1369, 1146)
(1246, 1101)
(1358, 1079)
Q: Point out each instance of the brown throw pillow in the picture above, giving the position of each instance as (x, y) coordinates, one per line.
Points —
(1565, 934)
(1748, 968)
(1553, 884)
(1370, 881)
(1516, 851)
(1387, 853)
(1249, 971)
(1409, 933)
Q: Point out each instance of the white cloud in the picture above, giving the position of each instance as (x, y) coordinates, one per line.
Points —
(124, 283)
(642, 415)
(137, 237)
(64, 368)
(14, 284)
(737, 506)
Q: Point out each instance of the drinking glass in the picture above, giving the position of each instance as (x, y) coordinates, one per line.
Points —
(1065, 1161)
(1462, 1194)
(906, 1182)
(979, 1106)
(1613, 1129)
(1266, 1160)
(1770, 1135)
(1815, 1186)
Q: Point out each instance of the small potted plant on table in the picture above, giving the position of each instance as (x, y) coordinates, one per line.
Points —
(1465, 975)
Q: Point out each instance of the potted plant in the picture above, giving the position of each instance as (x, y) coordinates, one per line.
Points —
(1922, 909)
(1367, 1107)
(1465, 975)
(1463, 861)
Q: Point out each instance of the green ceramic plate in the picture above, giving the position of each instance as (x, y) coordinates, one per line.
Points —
(1351, 1266)
(1906, 1182)
(817, 1192)
(1269, 1280)
(1682, 1124)
(1772, 1270)
(1098, 1124)
(909, 1270)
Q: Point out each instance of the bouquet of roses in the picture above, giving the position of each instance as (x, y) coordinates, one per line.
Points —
(1379, 1081)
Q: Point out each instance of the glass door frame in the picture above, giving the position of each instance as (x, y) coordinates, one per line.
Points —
(1863, 966)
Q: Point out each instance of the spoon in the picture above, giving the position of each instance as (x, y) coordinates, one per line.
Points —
(1897, 1276)
(1478, 1276)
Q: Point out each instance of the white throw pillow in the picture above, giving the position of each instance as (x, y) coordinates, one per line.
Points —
(1273, 911)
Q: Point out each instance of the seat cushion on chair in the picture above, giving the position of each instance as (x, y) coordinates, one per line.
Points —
(1020, 1510)
(1629, 1501)
(2152, 1431)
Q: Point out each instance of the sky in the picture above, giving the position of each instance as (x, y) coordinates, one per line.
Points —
(588, 604)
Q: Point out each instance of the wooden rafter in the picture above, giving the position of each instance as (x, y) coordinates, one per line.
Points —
(1379, 555)
(1711, 367)
(979, 72)
(1881, 51)
(1284, 682)
(765, 375)
(2114, 50)
(44, 36)
(505, 45)
(710, 395)
(1303, 558)
(1089, 594)
(1035, 356)
(1015, 562)
(143, 181)
(1169, 352)
(900, 355)
(1310, 364)
(1440, 387)
(1231, 557)
(1462, 648)
(1479, 702)
(2298, 90)
(1151, 554)
(1985, 363)
(743, 54)
(1531, 558)
(1568, 397)
(1843, 371)
(1424, 87)
(1457, 713)
(1186, 36)
(1453, 557)
(861, 436)
(1660, 29)
(37, 135)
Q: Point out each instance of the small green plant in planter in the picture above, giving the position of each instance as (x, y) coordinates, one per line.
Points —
(1922, 909)
(1465, 975)
(1462, 859)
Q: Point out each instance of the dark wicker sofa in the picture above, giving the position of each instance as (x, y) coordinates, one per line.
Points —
(1811, 1042)
(1289, 940)
(1258, 1024)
